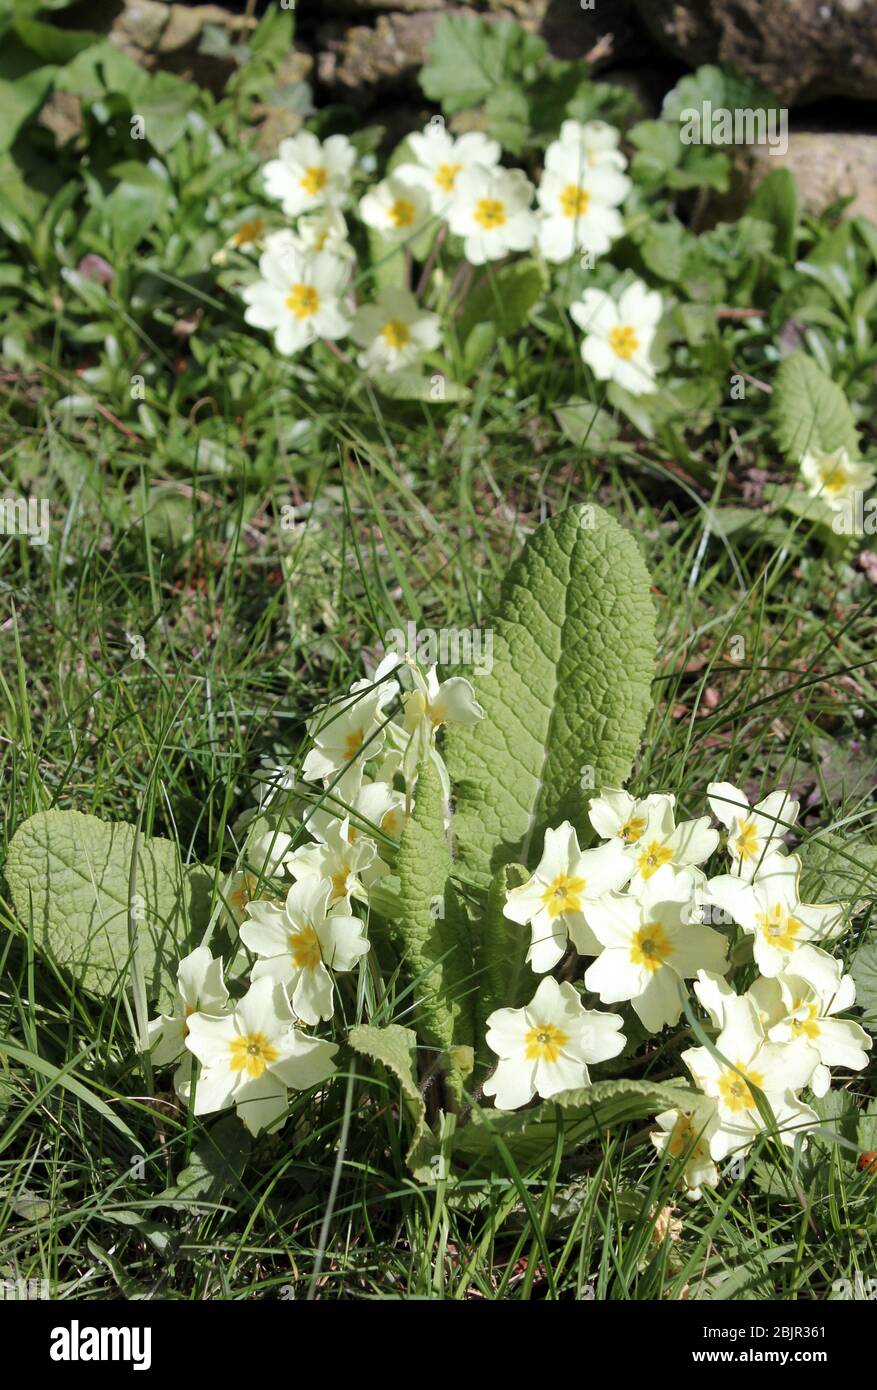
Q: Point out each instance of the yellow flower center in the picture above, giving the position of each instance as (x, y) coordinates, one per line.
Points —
(243, 893)
(313, 180)
(305, 947)
(834, 477)
(734, 1091)
(651, 947)
(251, 1052)
(390, 823)
(401, 213)
(395, 334)
(778, 927)
(574, 201)
(339, 882)
(746, 841)
(445, 176)
(490, 213)
(564, 894)
(685, 1139)
(544, 1042)
(623, 341)
(632, 830)
(248, 231)
(651, 857)
(805, 1027)
(303, 301)
(353, 743)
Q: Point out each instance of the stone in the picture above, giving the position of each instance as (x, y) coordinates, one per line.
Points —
(355, 62)
(802, 50)
(827, 165)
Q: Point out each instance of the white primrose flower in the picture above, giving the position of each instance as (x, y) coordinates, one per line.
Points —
(323, 230)
(308, 174)
(369, 805)
(835, 477)
(441, 158)
(771, 911)
(428, 706)
(348, 729)
(663, 842)
(298, 298)
(754, 832)
(302, 944)
(200, 987)
(813, 990)
(249, 235)
(492, 211)
(594, 142)
(558, 899)
(687, 1134)
(395, 208)
(545, 1048)
(268, 853)
(394, 332)
(779, 1070)
(650, 945)
(350, 868)
(618, 337)
(250, 1058)
(579, 205)
(616, 815)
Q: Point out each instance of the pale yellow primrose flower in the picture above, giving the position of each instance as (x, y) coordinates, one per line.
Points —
(687, 1134)
(754, 832)
(298, 298)
(616, 815)
(251, 1057)
(650, 946)
(491, 210)
(618, 337)
(396, 209)
(545, 1048)
(430, 705)
(440, 159)
(349, 868)
(813, 989)
(308, 174)
(350, 728)
(394, 332)
(779, 1070)
(375, 804)
(835, 477)
(771, 911)
(200, 986)
(302, 944)
(557, 899)
(593, 142)
(579, 205)
(664, 843)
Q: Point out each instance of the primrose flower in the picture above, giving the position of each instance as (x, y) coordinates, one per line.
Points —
(663, 842)
(778, 1070)
(492, 211)
(249, 235)
(349, 868)
(395, 208)
(370, 805)
(595, 144)
(394, 332)
(298, 298)
(440, 159)
(558, 899)
(267, 853)
(200, 986)
(323, 230)
(650, 946)
(302, 944)
(545, 1048)
(687, 1134)
(579, 205)
(347, 729)
(754, 832)
(616, 815)
(430, 705)
(308, 174)
(814, 989)
(835, 477)
(771, 911)
(250, 1058)
(618, 337)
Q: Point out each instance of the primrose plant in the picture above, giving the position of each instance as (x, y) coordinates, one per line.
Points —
(473, 839)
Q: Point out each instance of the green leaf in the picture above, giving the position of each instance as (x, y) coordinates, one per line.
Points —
(530, 1134)
(505, 980)
(62, 1077)
(395, 1048)
(864, 972)
(469, 58)
(69, 873)
(568, 694)
(586, 425)
(776, 202)
(436, 389)
(433, 930)
(810, 411)
(505, 298)
(216, 1166)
